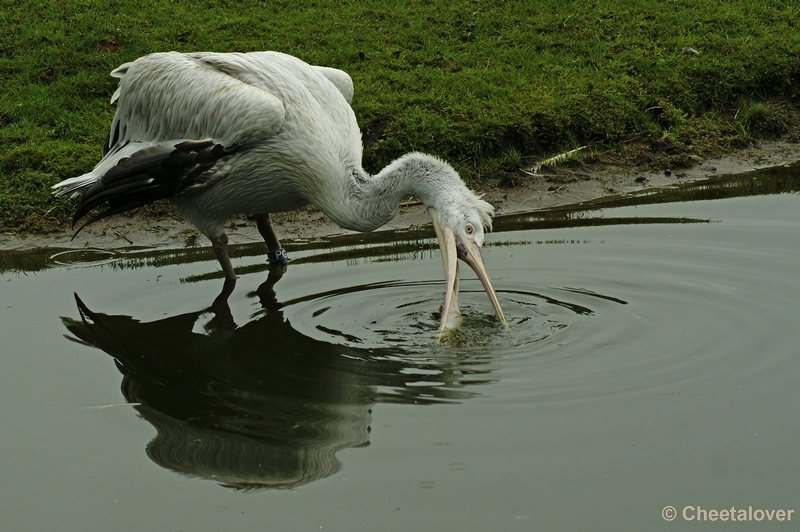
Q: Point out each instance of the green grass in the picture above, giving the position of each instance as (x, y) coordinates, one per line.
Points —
(482, 84)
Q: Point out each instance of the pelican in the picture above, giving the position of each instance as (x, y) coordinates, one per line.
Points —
(221, 134)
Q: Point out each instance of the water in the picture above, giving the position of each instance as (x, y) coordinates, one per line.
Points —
(652, 361)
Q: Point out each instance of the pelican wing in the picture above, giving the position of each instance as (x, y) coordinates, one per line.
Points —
(262, 69)
(340, 79)
(170, 96)
(295, 82)
(178, 118)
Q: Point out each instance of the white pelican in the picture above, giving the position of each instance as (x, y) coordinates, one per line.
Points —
(256, 133)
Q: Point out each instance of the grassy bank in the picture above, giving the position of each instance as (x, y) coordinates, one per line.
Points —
(486, 85)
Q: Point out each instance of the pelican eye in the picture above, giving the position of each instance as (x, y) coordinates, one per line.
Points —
(469, 229)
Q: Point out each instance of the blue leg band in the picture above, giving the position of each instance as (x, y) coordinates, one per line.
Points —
(277, 255)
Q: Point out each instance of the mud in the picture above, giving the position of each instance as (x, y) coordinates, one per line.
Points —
(562, 185)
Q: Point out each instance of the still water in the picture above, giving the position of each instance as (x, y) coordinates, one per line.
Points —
(652, 361)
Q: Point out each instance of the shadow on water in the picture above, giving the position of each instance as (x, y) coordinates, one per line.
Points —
(258, 405)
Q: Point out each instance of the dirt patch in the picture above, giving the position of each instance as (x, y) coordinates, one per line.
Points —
(566, 184)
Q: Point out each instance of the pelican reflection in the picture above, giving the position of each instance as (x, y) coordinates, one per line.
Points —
(260, 405)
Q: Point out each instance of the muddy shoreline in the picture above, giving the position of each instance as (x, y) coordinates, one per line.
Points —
(559, 186)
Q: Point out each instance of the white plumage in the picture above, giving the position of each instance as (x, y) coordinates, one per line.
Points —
(258, 133)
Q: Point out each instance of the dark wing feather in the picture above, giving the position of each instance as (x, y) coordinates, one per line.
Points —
(156, 172)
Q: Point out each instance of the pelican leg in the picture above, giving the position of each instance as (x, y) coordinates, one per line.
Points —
(220, 245)
(275, 252)
(264, 224)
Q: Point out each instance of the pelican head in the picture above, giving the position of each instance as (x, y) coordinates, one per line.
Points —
(460, 223)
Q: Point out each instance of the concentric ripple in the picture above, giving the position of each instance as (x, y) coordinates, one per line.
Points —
(401, 314)
(406, 315)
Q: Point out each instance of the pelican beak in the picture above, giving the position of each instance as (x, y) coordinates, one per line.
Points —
(451, 317)
(470, 253)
